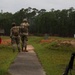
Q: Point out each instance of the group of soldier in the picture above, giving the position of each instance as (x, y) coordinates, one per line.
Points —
(19, 36)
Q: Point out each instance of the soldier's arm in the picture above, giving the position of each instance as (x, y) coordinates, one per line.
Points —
(20, 29)
(28, 25)
(10, 32)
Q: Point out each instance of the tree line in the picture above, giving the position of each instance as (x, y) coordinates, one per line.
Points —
(53, 22)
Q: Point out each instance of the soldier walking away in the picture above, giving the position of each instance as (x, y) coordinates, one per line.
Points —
(15, 37)
(24, 34)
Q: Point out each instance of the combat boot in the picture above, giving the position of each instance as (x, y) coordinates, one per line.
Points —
(25, 49)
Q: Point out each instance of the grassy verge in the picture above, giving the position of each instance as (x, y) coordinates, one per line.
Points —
(5, 37)
(6, 58)
(53, 57)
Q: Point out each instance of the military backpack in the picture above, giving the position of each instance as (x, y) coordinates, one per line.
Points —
(15, 31)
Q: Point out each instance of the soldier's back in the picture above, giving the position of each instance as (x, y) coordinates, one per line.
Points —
(24, 28)
(15, 30)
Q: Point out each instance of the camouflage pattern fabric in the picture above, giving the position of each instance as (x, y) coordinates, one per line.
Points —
(15, 37)
(14, 31)
(24, 28)
(24, 40)
(24, 33)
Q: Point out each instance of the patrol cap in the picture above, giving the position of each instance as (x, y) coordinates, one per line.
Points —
(24, 20)
(13, 24)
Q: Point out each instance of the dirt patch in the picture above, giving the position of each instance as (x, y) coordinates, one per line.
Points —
(6, 42)
(72, 42)
(47, 40)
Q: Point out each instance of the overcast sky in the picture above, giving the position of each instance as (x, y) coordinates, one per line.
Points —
(15, 5)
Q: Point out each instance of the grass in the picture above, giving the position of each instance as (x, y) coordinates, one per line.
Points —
(53, 57)
(6, 58)
(5, 37)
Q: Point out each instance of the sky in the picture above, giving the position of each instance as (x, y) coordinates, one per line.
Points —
(15, 5)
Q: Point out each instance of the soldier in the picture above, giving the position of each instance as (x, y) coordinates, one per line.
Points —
(24, 33)
(15, 37)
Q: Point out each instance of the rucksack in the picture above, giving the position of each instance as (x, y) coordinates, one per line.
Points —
(23, 29)
(15, 31)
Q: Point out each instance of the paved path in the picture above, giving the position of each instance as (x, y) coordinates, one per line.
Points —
(26, 63)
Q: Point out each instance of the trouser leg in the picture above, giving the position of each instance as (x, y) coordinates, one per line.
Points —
(18, 44)
(22, 40)
(24, 43)
(22, 46)
(13, 42)
(18, 47)
(14, 47)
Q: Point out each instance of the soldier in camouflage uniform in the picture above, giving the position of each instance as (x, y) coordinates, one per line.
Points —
(15, 37)
(24, 33)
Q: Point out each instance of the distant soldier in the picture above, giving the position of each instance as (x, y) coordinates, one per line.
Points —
(15, 37)
(24, 33)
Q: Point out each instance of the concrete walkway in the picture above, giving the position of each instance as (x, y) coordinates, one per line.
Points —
(26, 63)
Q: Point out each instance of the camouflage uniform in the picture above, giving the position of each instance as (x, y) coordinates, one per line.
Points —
(15, 37)
(24, 33)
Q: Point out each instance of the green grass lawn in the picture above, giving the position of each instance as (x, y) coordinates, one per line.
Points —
(53, 57)
(6, 57)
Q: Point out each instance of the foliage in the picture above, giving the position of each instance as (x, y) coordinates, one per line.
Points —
(54, 22)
